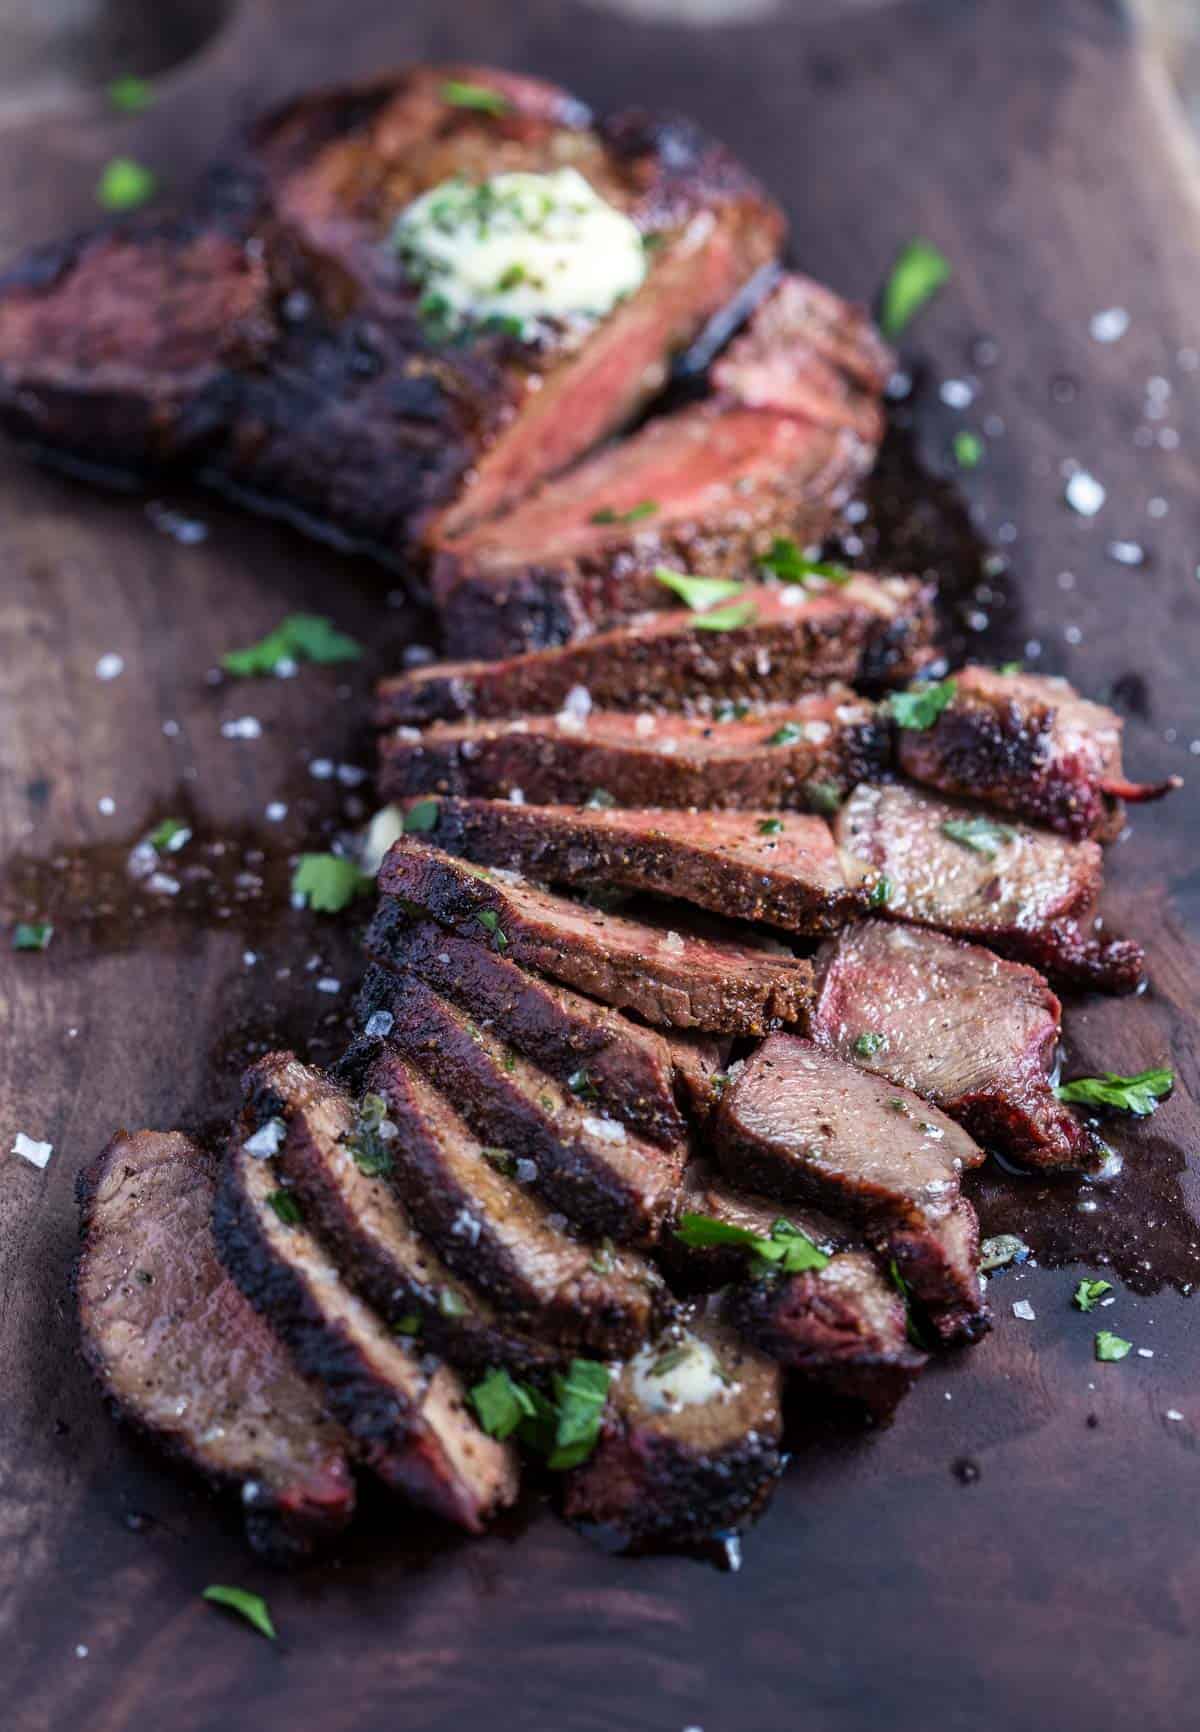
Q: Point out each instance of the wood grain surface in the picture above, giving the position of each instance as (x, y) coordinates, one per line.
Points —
(1051, 1583)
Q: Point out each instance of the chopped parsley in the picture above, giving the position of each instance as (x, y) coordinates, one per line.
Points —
(1130, 1094)
(787, 1250)
(490, 921)
(252, 1607)
(581, 1085)
(968, 449)
(452, 1304)
(913, 1328)
(770, 826)
(606, 514)
(727, 618)
(328, 883)
(1089, 1293)
(301, 637)
(170, 835)
(409, 1324)
(917, 275)
(286, 1207)
(563, 1429)
(698, 593)
(981, 835)
(920, 706)
(580, 1396)
(480, 97)
(368, 1140)
(881, 892)
(787, 734)
(503, 1160)
(1110, 1347)
(824, 797)
(32, 935)
(787, 561)
(125, 184)
(501, 1403)
(421, 817)
(130, 95)
(869, 1043)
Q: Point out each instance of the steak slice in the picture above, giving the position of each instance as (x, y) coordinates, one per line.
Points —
(869, 630)
(627, 1070)
(707, 489)
(1030, 745)
(355, 1210)
(682, 981)
(807, 753)
(800, 1125)
(408, 1417)
(493, 1231)
(187, 1358)
(843, 1327)
(699, 1061)
(745, 865)
(1026, 893)
(975, 1035)
(689, 1447)
(602, 1177)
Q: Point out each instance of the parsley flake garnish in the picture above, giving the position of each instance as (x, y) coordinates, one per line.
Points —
(252, 1607)
(501, 1403)
(770, 826)
(787, 734)
(919, 272)
(368, 1141)
(698, 593)
(788, 1250)
(920, 706)
(169, 836)
(880, 893)
(869, 1043)
(409, 1324)
(1089, 1293)
(968, 449)
(125, 184)
(1130, 1094)
(286, 1207)
(328, 883)
(727, 618)
(981, 835)
(606, 514)
(32, 935)
(563, 1429)
(787, 562)
(823, 797)
(490, 921)
(580, 1397)
(421, 817)
(130, 95)
(301, 637)
(581, 1085)
(478, 96)
(1110, 1347)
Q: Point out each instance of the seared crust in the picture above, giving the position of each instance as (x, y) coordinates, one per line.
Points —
(187, 1359)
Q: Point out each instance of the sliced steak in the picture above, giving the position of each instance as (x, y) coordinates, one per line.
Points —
(345, 1195)
(601, 1176)
(187, 1358)
(627, 1070)
(1027, 893)
(784, 871)
(689, 1448)
(682, 981)
(868, 631)
(492, 1230)
(408, 1415)
(843, 1328)
(805, 754)
(800, 1125)
(699, 1061)
(1032, 746)
(975, 1035)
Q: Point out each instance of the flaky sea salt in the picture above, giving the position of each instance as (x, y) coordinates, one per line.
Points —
(29, 1149)
(242, 728)
(267, 1141)
(1024, 1310)
(110, 666)
(1110, 325)
(1085, 494)
(379, 1024)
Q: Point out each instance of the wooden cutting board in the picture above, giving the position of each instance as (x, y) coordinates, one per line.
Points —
(1019, 1549)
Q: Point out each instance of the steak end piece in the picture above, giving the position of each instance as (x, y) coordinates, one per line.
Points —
(689, 1449)
(976, 1035)
(187, 1358)
(1030, 745)
(798, 1124)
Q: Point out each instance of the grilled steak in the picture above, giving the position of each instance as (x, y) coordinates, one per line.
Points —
(668, 978)
(745, 865)
(187, 1358)
(601, 1176)
(493, 1231)
(348, 1201)
(407, 1416)
(807, 753)
(350, 404)
(690, 1443)
(1027, 893)
(705, 490)
(799, 1125)
(699, 1061)
(869, 630)
(1029, 745)
(627, 1070)
(977, 1036)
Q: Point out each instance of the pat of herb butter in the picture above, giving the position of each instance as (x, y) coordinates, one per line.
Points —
(518, 249)
(671, 1375)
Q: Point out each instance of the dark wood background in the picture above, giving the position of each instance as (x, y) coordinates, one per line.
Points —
(1058, 1588)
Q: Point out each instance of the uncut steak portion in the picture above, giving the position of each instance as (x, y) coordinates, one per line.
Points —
(689, 1446)
(1029, 745)
(868, 630)
(974, 1034)
(706, 490)
(806, 754)
(671, 978)
(1027, 893)
(350, 406)
(745, 865)
(629, 1071)
(800, 1125)
(186, 1357)
(407, 1414)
